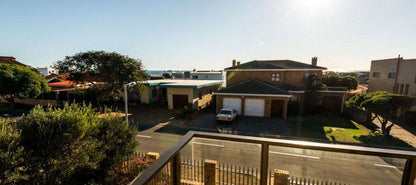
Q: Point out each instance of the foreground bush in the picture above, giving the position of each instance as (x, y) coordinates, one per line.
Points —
(11, 154)
(68, 145)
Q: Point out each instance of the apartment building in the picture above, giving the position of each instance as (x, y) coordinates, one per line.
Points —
(395, 75)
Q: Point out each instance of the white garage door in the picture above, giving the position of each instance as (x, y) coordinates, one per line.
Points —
(232, 103)
(254, 107)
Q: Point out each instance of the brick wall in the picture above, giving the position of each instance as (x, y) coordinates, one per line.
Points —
(294, 78)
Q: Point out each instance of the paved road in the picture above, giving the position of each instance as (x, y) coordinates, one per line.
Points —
(351, 169)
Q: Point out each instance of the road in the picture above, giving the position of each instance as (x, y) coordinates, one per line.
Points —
(336, 167)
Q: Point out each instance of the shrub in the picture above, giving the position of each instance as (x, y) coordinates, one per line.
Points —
(11, 154)
(72, 145)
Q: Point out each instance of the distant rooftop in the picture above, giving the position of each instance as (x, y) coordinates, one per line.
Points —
(10, 60)
(275, 64)
(195, 84)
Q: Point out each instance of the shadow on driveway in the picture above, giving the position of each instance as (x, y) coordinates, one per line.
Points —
(250, 126)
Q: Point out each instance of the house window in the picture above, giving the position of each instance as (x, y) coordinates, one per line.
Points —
(396, 88)
(401, 89)
(275, 77)
(391, 75)
(200, 95)
(406, 89)
(376, 74)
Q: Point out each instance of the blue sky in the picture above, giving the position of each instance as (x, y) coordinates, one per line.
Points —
(344, 34)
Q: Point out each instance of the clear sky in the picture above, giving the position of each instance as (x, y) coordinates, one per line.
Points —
(343, 34)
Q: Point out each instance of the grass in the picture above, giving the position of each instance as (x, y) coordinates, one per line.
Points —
(339, 128)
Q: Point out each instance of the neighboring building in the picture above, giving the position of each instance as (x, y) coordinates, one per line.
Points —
(264, 88)
(10, 60)
(395, 75)
(181, 75)
(207, 75)
(46, 71)
(180, 93)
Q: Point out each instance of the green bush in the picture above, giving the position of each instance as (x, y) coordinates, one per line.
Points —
(69, 145)
(11, 154)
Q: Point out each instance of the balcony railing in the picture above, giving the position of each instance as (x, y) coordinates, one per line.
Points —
(334, 162)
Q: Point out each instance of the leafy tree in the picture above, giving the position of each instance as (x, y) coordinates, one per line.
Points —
(312, 97)
(382, 105)
(19, 81)
(11, 154)
(167, 75)
(109, 67)
(348, 82)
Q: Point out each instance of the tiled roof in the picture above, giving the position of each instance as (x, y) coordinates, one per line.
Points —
(64, 83)
(253, 86)
(275, 64)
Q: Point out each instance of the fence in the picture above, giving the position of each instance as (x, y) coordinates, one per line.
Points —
(193, 172)
(168, 168)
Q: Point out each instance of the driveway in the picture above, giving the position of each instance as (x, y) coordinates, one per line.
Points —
(253, 126)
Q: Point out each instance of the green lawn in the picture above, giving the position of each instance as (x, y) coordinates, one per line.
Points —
(338, 128)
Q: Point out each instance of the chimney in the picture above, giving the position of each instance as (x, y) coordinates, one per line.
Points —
(238, 63)
(314, 61)
(234, 63)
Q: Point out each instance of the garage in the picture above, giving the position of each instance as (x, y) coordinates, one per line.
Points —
(232, 103)
(179, 101)
(331, 103)
(254, 107)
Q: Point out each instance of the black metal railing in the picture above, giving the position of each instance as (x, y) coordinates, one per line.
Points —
(170, 162)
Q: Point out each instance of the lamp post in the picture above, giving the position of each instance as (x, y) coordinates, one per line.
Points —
(126, 99)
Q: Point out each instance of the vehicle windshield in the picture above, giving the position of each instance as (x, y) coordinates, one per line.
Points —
(225, 112)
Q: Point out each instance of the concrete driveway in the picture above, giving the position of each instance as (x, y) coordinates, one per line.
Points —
(254, 126)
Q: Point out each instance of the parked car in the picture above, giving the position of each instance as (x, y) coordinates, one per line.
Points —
(229, 115)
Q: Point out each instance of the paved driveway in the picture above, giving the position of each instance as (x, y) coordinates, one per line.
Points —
(254, 126)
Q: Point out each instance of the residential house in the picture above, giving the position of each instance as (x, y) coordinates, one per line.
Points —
(207, 75)
(395, 75)
(46, 71)
(10, 60)
(264, 88)
(179, 93)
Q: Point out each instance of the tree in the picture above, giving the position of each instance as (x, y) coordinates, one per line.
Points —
(19, 81)
(348, 82)
(382, 105)
(167, 76)
(112, 68)
(312, 97)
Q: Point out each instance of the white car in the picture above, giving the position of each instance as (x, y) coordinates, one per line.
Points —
(229, 115)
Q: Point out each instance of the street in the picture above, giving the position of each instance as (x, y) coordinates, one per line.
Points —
(335, 167)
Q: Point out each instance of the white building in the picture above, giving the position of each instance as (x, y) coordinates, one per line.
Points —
(207, 75)
(45, 71)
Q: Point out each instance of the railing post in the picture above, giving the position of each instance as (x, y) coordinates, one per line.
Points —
(175, 170)
(408, 177)
(210, 168)
(281, 177)
(151, 157)
(264, 163)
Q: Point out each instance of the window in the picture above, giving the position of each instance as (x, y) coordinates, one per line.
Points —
(396, 88)
(376, 74)
(401, 89)
(200, 95)
(391, 75)
(275, 77)
(406, 89)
